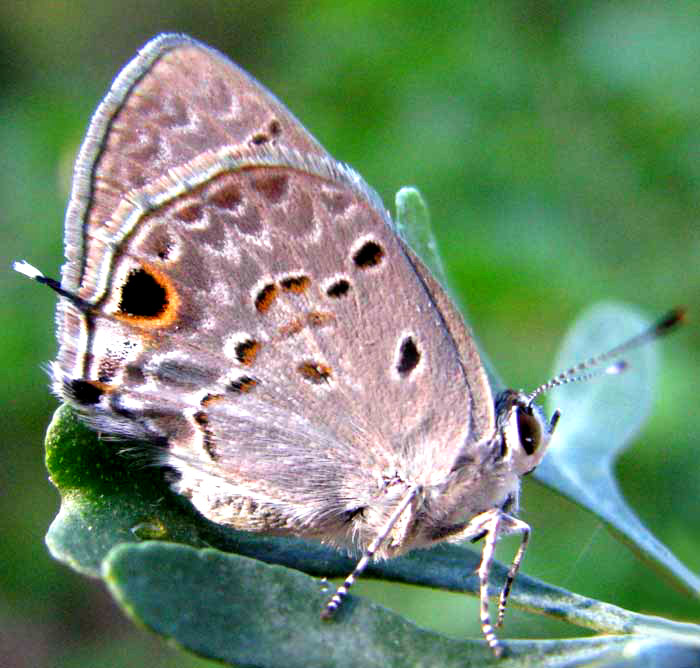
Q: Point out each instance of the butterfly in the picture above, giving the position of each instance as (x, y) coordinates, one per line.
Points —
(242, 301)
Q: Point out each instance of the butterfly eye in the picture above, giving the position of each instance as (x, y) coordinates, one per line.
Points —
(529, 430)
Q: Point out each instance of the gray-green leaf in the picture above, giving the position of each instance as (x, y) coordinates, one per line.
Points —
(239, 610)
(599, 419)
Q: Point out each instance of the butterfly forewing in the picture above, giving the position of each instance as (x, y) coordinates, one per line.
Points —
(175, 101)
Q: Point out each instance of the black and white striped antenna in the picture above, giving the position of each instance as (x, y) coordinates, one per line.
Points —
(590, 368)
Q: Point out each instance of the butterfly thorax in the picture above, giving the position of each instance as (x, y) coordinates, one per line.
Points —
(486, 480)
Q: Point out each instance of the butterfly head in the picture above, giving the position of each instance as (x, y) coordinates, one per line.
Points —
(525, 432)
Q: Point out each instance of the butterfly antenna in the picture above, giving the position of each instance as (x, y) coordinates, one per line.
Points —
(587, 370)
(23, 267)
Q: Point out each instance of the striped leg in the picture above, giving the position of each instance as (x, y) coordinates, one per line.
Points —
(342, 591)
(494, 523)
(524, 529)
(492, 527)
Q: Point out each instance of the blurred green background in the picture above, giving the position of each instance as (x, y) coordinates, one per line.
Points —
(558, 145)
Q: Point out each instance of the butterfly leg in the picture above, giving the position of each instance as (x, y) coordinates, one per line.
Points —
(515, 526)
(493, 524)
(342, 591)
(489, 522)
